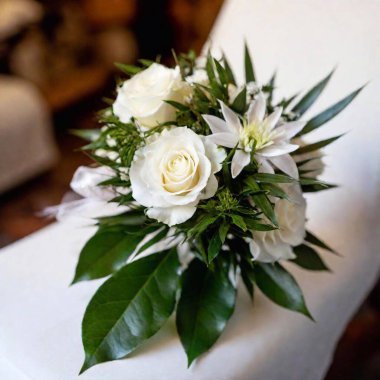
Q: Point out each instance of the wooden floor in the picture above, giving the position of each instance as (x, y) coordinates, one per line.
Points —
(358, 353)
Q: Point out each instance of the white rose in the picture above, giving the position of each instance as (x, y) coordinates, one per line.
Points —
(143, 96)
(172, 173)
(276, 245)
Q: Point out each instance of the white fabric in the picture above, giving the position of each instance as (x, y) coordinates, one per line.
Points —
(40, 317)
(26, 134)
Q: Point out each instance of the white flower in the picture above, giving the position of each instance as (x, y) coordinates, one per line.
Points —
(89, 200)
(173, 172)
(263, 135)
(270, 246)
(143, 96)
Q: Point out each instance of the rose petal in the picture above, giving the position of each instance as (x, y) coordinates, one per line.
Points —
(171, 215)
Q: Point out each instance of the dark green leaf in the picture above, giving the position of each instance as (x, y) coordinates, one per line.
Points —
(239, 104)
(275, 191)
(130, 307)
(311, 96)
(280, 286)
(253, 224)
(214, 246)
(317, 187)
(312, 239)
(316, 146)
(329, 113)
(229, 71)
(238, 221)
(273, 178)
(177, 105)
(247, 276)
(223, 230)
(206, 304)
(308, 258)
(248, 65)
(155, 239)
(105, 253)
(261, 201)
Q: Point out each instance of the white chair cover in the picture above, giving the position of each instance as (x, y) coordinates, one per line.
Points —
(40, 317)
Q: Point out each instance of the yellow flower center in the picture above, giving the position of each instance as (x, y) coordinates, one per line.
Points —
(256, 136)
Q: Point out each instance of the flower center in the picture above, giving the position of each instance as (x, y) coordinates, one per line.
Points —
(256, 136)
(179, 172)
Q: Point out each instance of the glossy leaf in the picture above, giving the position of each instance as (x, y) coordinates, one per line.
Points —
(311, 96)
(280, 286)
(214, 246)
(105, 252)
(308, 258)
(130, 307)
(207, 302)
(329, 113)
(229, 71)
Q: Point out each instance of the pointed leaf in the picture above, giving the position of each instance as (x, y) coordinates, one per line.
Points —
(273, 178)
(311, 96)
(239, 104)
(280, 286)
(105, 253)
(308, 258)
(329, 113)
(128, 69)
(229, 71)
(86, 134)
(214, 246)
(130, 307)
(206, 304)
(316, 146)
(312, 239)
(248, 65)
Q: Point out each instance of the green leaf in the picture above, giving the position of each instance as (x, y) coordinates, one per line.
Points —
(317, 187)
(105, 253)
(223, 77)
(214, 246)
(308, 258)
(247, 276)
(207, 302)
(130, 307)
(248, 65)
(239, 104)
(316, 146)
(280, 286)
(238, 221)
(273, 178)
(311, 96)
(261, 201)
(90, 135)
(179, 106)
(128, 69)
(312, 239)
(253, 224)
(275, 191)
(329, 113)
(155, 239)
(223, 230)
(229, 72)
(201, 225)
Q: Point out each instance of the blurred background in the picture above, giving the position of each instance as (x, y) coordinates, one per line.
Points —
(56, 64)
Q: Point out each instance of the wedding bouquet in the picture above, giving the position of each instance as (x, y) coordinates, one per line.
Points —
(201, 181)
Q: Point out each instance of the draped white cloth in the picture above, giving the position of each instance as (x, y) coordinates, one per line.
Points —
(41, 315)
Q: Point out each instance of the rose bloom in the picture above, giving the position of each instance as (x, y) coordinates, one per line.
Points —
(270, 246)
(143, 96)
(173, 172)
